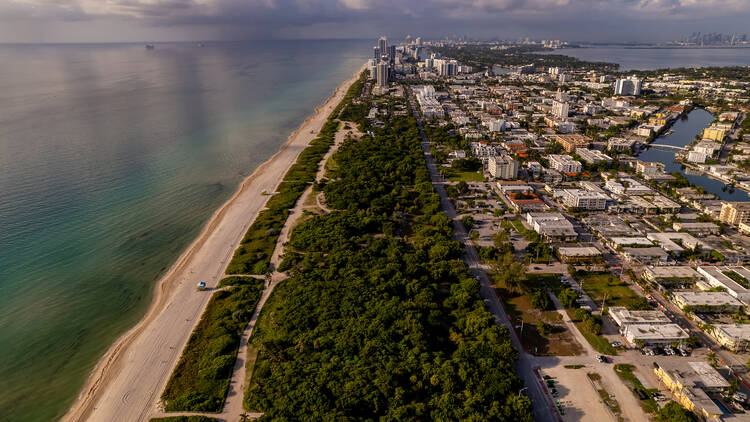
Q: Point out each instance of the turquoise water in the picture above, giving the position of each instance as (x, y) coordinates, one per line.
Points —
(112, 157)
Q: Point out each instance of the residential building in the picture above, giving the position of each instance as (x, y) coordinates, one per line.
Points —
(502, 167)
(735, 337)
(651, 334)
(571, 142)
(700, 229)
(629, 86)
(622, 317)
(551, 225)
(564, 164)
(560, 109)
(714, 133)
(672, 277)
(649, 168)
(621, 144)
(584, 199)
(579, 255)
(689, 382)
(706, 302)
(593, 156)
(383, 74)
(736, 280)
(734, 213)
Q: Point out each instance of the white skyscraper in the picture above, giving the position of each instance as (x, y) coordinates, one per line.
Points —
(560, 109)
(629, 86)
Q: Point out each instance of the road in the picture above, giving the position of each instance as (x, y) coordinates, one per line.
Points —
(543, 408)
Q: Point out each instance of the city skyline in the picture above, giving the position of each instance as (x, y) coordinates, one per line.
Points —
(45, 21)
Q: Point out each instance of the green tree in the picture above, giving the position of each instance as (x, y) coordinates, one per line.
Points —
(673, 412)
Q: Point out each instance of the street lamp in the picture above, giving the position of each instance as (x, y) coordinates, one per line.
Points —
(521, 390)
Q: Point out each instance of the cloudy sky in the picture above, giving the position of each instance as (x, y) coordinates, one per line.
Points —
(160, 20)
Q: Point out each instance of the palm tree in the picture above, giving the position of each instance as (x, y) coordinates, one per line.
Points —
(244, 417)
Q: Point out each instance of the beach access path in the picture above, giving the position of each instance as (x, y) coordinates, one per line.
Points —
(128, 381)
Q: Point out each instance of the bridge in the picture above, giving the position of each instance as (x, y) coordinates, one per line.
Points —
(667, 147)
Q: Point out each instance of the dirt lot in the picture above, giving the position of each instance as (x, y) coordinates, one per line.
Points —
(577, 396)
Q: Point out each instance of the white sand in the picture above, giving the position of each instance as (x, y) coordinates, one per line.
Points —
(128, 380)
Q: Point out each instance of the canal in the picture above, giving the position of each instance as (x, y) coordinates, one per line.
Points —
(683, 133)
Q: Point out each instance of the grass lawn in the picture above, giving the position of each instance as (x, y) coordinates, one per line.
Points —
(597, 285)
(529, 235)
(625, 371)
(466, 176)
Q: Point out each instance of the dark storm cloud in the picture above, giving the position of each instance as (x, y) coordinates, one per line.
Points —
(577, 19)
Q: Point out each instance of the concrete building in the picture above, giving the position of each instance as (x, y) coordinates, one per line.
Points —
(714, 133)
(383, 75)
(585, 200)
(651, 334)
(560, 109)
(736, 280)
(551, 225)
(593, 156)
(700, 229)
(671, 275)
(629, 86)
(676, 242)
(622, 317)
(646, 256)
(579, 255)
(564, 164)
(735, 337)
(621, 144)
(689, 382)
(571, 142)
(502, 167)
(706, 302)
(734, 213)
(649, 168)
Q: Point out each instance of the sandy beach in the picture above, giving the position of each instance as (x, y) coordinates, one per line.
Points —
(129, 378)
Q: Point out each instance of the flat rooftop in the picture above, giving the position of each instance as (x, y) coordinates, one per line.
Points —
(677, 271)
(694, 374)
(623, 316)
(706, 298)
(741, 331)
(655, 332)
(579, 251)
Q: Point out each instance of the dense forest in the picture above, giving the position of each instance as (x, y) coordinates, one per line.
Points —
(484, 56)
(380, 318)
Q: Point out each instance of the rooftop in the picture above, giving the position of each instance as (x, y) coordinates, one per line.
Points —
(694, 374)
(691, 298)
(679, 271)
(623, 316)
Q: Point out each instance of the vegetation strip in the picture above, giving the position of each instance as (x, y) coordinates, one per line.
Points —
(184, 419)
(201, 378)
(254, 254)
(380, 317)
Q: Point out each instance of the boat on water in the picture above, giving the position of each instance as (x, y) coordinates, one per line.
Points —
(149, 46)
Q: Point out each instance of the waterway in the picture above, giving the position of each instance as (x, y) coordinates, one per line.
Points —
(683, 133)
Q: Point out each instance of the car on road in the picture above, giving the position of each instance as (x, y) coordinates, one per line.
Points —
(601, 359)
(615, 344)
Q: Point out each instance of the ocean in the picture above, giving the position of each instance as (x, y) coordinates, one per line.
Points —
(660, 58)
(112, 157)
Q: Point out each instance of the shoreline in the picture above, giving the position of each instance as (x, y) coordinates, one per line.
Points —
(111, 364)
